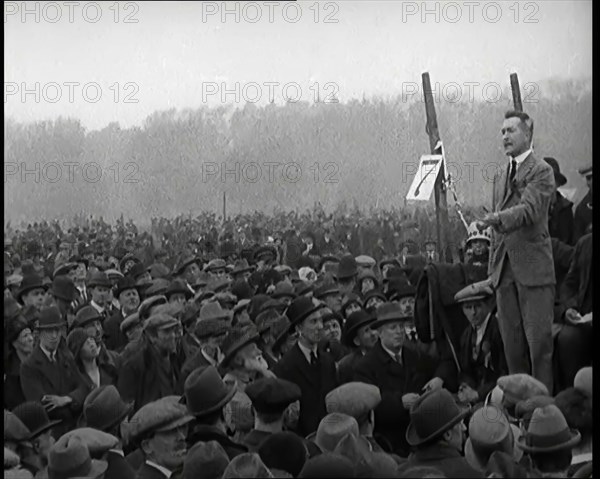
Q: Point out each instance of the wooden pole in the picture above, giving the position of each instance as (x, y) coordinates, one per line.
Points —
(441, 204)
(516, 92)
(224, 207)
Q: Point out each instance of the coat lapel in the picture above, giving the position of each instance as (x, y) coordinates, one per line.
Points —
(303, 366)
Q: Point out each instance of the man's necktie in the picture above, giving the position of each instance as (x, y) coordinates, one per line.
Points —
(513, 171)
(313, 358)
(399, 358)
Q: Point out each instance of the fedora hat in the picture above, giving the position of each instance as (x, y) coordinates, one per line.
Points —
(50, 317)
(332, 429)
(241, 266)
(432, 414)
(355, 321)
(70, 458)
(179, 286)
(30, 282)
(125, 283)
(205, 392)
(205, 460)
(389, 313)
(235, 340)
(347, 267)
(35, 418)
(63, 288)
(559, 178)
(99, 278)
(85, 316)
(103, 408)
(548, 431)
(489, 431)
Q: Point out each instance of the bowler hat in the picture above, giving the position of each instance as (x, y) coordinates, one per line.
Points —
(70, 458)
(30, 282)
(489, 431)
(285, 451)
(559, 178)
(63, 288)
(272, 395)
(355, 321)
(432, 414)
(548, 431)
(347, 267)
(301, 308)
(99, 278)
(400, 287)
(104, 409)
(14, 429)
(235, 340)
(35, 418)
(164, 414)
(389, 313)
(50, 318)
(205, 460)
(205, 392)
(85, 316)
(576, 407)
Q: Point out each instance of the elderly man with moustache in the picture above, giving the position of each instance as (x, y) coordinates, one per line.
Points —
(521, 264)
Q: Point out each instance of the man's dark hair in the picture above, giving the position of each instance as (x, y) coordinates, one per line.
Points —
(269, 417)
(524, 117)
(552, 461)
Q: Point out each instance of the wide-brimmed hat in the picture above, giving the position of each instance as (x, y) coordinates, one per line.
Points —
(14, 429)
(30, 282)
(70, 458)
(489, 431)
(205, 392)
(548, 432)
(373, 293)
(236, 339)
(103, 408)
(389, 313)
(85, 316)
(35, 418)
(432, 414)
(559, 178)
(355, 321)
(50, 317)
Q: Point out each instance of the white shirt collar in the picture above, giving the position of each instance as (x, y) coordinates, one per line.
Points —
(481, 330)
(96, 306)
(162, 469)
(307, 351)
(208, 358)
(519, 159)
(48, 354)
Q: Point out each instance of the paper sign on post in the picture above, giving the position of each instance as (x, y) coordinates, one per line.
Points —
(424, 181)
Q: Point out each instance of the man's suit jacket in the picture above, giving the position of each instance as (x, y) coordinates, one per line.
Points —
(579, 278)
(148, 472)
(522, 238)
(118, 467)
(479, 376)
(314, 382)
(394, 380)
(114, 339)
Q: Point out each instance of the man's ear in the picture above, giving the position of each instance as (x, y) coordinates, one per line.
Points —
(447, 436)
(145, 446)
(355, 341)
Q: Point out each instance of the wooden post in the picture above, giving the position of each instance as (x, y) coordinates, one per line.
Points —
(441, 204)
(516, 92)
(224, 207)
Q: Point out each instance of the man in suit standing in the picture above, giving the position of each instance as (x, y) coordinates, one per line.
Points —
(521, 264)
(311, 369)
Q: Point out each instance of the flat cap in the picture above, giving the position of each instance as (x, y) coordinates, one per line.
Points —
(148, 303)
(164, 414)
(205, 328)
(518, 387)
(129, 322)
(474, 291)
(272, 395)
(365, 261)
(355, 399)
(160, 321)
(97, 442)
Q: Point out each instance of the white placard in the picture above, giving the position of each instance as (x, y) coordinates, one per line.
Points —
(424, 181)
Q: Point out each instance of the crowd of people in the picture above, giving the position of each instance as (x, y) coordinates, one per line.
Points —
(287, 346)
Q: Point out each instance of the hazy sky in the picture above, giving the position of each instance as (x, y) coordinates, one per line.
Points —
(183, 54)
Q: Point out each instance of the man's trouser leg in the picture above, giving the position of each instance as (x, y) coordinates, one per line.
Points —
(537, 312)
(510, 323)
